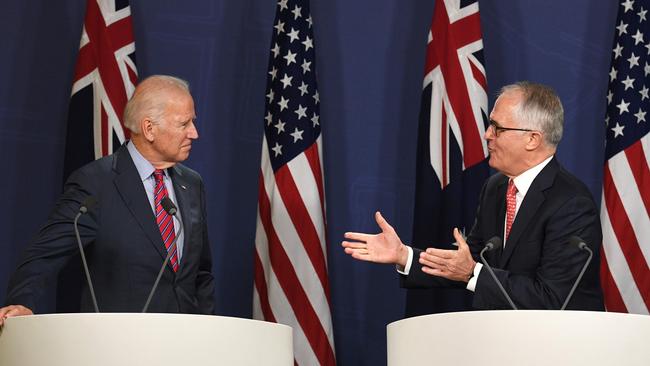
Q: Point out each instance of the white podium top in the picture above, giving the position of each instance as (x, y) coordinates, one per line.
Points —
(143, 339)
(525, 337)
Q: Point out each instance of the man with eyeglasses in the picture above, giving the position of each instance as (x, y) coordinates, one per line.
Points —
(532, 203)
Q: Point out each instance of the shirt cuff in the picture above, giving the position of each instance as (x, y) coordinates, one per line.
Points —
(409, 260)
(471, 284)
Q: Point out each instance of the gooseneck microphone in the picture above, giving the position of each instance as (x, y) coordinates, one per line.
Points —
(86, 206)
(171, 209)
(492, 244)
(577, 241)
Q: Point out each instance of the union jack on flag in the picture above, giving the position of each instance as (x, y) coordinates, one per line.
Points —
(104, 79)
(291, 282)
(456, 76)
(625, 204)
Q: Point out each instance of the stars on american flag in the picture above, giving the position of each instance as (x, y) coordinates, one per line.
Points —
(286, 81)
(627, 5)
(629, 83)
(292, 97)
(296, 12)
(627, 98)
(618, 50)
(640, 116)
(297, 134)
(293, 35)
(644, 93)
(308, 43)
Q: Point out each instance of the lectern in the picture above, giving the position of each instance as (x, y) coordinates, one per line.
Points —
(520, 338)
(143, 339)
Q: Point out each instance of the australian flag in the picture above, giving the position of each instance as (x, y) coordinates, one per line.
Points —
(104, 79)
(451, 153)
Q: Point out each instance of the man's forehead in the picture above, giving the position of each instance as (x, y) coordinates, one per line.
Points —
(507, 100)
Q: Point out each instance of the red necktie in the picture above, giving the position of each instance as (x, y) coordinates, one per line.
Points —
(163, 219)
(511, 206)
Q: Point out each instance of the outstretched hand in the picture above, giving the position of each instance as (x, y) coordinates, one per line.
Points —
(456, 265)
(385, 247)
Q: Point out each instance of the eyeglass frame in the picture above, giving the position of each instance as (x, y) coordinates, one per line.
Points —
(497, 129)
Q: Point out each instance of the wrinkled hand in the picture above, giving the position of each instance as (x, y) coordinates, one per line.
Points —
(385, 247)
(13, 310)
(456, 265)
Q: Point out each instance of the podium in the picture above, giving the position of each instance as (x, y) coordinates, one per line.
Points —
(525, 337)
(143, 339)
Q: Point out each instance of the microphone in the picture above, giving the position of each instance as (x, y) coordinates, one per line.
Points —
(171, 209)
(88, 204)
(492, 244)
(577, 241)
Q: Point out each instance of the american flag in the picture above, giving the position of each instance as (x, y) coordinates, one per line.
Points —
(451, 164)
(104, 79)
(625, 204)
(291, 283)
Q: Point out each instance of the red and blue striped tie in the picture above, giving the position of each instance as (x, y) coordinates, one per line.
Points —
(164, 220)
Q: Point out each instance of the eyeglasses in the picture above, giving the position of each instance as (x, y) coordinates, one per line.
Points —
(497, 129)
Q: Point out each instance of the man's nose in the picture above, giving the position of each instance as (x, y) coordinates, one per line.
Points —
(193, 133)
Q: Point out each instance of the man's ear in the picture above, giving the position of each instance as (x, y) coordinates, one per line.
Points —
(535, 140)
(147, 127)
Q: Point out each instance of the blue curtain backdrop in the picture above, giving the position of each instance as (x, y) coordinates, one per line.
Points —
(370, 59)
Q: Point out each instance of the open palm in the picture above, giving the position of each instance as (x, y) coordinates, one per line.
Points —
(385, 247)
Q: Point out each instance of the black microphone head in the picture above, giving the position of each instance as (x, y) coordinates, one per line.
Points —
(494, 243)
(168, 205)
(577, 241)
(88, 204)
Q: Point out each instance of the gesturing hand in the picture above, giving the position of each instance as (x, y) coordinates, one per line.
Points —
(385, 247)
(456, 265)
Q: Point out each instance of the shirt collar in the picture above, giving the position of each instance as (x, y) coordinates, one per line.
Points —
(525, 179)
(144, 167)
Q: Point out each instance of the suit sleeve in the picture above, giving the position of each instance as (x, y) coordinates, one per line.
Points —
(418, 279)
(559, 262)
(204, 278)
(54, 244)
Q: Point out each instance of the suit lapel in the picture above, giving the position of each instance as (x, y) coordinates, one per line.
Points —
(532, 201)
(185, 203)
(129, 185)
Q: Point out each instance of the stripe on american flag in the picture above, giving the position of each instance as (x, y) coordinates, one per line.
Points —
(625, 221)
(294, 276)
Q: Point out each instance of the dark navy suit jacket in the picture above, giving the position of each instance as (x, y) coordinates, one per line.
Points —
(122, 243)
(538, 265)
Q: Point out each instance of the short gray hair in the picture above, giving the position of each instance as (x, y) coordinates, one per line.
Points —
(540, 109)
(150, 98)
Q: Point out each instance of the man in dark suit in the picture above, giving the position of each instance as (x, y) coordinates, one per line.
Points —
(127, 233)
(532, 202)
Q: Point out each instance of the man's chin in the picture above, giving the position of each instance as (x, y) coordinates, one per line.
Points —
(492, 162)
(183, 156)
